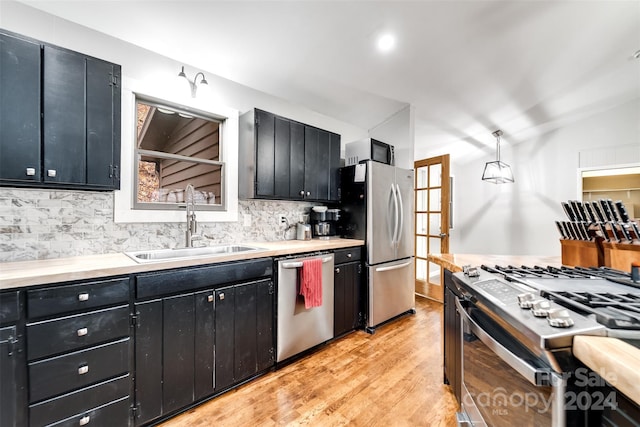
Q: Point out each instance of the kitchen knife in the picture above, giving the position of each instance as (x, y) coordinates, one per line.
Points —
(576, 231)
(612, 208)
(570, 230)
(635, 229)
(598, 211)
(622, 212)
(560, 230)
(605, 210)
(583, 212)
(576, 211)
(585, 231)
(567, 229)
(590, 215)
(603, 229)
(569, 211)
(625, 233)
(612, 224)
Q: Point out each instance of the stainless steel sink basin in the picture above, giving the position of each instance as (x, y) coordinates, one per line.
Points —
(159, 255)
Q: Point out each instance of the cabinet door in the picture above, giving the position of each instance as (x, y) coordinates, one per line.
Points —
(19, 109)
(245, 328)
(296, 161)
(224, 338)
(347, 282)
(148, 358)
(204, 344)
(178, 351)
(282, 155)
(321, 164)
(64, 116)
(103, 143)
(311, 162)
(334, 167)
(12, 380)
(264, 324)
(265, 154)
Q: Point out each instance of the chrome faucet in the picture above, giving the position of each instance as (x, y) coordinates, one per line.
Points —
(192, 223)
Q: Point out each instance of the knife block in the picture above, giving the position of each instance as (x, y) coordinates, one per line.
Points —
(582, 253)
(621, 255)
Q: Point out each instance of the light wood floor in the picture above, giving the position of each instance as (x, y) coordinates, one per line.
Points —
(390, 378)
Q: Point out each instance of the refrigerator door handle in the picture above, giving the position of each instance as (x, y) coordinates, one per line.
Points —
(400, 215)
(393, 267)
(394, 235)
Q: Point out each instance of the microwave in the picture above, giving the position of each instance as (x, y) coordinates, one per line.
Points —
(368, 149)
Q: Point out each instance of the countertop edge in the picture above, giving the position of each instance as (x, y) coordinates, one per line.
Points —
(614, 360)
(20, 274)
(455, 262)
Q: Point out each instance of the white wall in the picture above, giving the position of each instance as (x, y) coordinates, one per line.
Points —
(519, 218)
(398, 130)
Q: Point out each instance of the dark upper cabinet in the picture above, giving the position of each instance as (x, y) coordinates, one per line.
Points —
(20, 149)
(70, 134)
(284, 159)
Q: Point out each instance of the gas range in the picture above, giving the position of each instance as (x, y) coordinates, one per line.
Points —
(545, 307)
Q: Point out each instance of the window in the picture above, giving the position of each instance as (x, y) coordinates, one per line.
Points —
(174, 147)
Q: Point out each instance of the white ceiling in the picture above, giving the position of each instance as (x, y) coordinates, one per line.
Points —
(467, 67)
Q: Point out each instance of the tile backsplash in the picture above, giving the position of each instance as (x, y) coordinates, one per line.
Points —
(44, 224)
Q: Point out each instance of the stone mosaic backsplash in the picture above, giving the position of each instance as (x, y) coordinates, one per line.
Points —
(44, 224)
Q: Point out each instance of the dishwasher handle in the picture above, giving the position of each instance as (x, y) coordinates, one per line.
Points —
(298, 264)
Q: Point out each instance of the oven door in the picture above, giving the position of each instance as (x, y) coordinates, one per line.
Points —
(503, 383)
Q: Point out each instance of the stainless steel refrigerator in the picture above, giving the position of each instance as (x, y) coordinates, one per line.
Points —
(377, 206)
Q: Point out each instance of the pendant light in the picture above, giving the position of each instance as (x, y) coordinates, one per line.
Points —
(497, 172)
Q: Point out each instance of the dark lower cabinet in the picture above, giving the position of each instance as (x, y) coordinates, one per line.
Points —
(194, 345)
(12, 378)
(347, 280)
(452, 337)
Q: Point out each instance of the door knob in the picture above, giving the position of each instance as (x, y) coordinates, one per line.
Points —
(443, 235)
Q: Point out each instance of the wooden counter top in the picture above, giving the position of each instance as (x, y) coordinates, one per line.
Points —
(28, 273)
(454, 262)
(614, 360)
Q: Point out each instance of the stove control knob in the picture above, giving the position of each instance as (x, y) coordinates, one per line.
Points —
(559, 318)
(526, 300)
(540, 308)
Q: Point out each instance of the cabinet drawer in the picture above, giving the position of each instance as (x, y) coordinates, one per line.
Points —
(62, 299)
(347, 255)
(56, 336)
(112, 414)
(9, 308)
(78, 402)
(60, 374)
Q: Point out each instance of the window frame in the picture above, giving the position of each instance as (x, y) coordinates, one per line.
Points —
(146, 206)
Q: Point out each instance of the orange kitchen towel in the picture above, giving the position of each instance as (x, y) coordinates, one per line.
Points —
(311, 282)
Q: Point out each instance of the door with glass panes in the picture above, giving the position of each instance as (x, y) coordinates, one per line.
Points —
(433, 204)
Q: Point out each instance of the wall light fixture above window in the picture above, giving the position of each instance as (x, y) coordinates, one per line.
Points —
(497, 172)
(201, 85)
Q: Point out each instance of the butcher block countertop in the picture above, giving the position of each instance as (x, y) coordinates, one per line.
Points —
(615, 360)
(29, 273)
(454, 262)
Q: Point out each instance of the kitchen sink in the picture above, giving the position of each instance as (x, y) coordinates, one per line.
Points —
(158, 255)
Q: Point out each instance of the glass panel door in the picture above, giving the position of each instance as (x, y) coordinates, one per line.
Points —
(432, 222)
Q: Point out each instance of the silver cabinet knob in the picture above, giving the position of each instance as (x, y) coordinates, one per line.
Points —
(308, 193)
(83, 369)
(337, 270)
(82, 332)
(83, 296)
(221, 296)
(31, 171)
(51, 173)
(210, 298)
(84, 420)
(302, 192)
(349, 255)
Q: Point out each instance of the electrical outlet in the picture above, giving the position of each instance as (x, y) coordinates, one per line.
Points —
(282, 220)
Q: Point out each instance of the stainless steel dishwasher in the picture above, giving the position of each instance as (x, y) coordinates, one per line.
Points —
(299, 328)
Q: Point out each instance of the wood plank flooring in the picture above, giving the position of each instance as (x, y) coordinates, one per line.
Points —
(390, 378)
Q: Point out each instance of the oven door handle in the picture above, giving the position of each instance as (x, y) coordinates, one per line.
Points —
(536, 376)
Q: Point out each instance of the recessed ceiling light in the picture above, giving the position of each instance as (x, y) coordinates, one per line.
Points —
(386, 42)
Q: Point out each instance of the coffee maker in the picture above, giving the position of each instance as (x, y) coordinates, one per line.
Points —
(324, 222)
